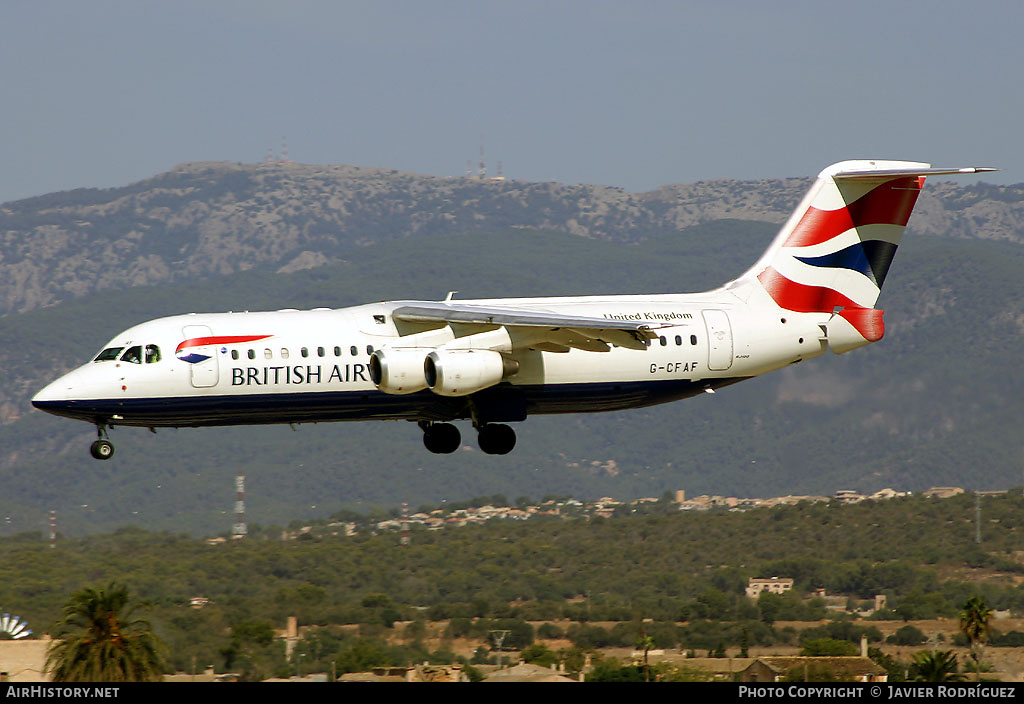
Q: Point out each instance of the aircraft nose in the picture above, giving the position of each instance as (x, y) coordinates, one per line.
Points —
(56, 391)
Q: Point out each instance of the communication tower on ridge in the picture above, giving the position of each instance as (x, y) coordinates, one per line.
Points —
(482, 167)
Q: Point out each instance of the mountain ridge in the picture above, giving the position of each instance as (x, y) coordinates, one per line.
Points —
(206, 219)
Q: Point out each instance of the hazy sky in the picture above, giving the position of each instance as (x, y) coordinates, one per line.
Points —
(634, 94)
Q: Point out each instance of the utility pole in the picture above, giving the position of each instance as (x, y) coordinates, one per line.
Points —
(239, 529)
(977, 518)
(499, 637)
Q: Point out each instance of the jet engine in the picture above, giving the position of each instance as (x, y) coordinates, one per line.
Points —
(398, 370)
(463, 372)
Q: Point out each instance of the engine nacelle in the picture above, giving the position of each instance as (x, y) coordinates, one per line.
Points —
(851, 328)
(399, 370)
(463, 372)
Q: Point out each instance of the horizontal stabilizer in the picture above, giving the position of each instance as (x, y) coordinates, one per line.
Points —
(837, 172)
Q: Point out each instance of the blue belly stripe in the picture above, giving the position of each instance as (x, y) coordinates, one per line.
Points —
(246, 409)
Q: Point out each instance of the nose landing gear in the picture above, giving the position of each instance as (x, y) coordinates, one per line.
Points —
(102, 449)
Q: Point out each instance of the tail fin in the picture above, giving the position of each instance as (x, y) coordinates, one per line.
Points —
(836, 248)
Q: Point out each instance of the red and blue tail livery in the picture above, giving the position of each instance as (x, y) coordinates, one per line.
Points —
(839, 250)
(498, 361)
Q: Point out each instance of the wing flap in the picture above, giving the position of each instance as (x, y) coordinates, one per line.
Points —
(581, 332)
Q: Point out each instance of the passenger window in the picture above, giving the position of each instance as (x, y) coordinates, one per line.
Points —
(108, 354)
(133, 355)
(234, 354)
(679, 340)
(304, 352)
(337, 351)
(693, 339)
(369, 349)
(267, 354)
(353, 350)
(663, 340)
(251, 354)
(319, 351)
(284, 353)
(152, 354)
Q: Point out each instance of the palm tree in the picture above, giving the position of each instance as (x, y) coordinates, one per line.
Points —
(975, 616)
(646, 643)
(936, 666)
(98, 640)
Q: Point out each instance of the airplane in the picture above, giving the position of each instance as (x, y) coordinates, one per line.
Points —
(498, 361)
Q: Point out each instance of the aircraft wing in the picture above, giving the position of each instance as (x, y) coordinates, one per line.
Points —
(558, 331)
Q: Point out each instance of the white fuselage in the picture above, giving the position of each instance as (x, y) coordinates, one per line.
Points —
(314, 365)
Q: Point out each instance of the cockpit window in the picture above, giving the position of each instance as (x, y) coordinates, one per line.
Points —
(108, 354)
(152, 354)
(133, 355)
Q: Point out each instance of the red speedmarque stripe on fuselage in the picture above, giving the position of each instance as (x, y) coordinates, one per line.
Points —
(219, 340)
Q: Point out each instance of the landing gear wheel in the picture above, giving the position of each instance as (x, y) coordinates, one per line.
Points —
(442, 438)
(102, 449)
(496, 439)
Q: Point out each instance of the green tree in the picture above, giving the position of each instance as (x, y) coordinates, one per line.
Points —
(769, 606)
(611, 671)
(249, 649)
(828, 647)
(539, 654)
(549, 631)
(975, 616)
(893, 667)
(361, 656)
(99, 640)
(907, 635)
(936, 666)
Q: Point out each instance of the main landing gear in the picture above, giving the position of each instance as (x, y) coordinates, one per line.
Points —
(445, 438)
(441, 438)
(496, 438)
(102, 449)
